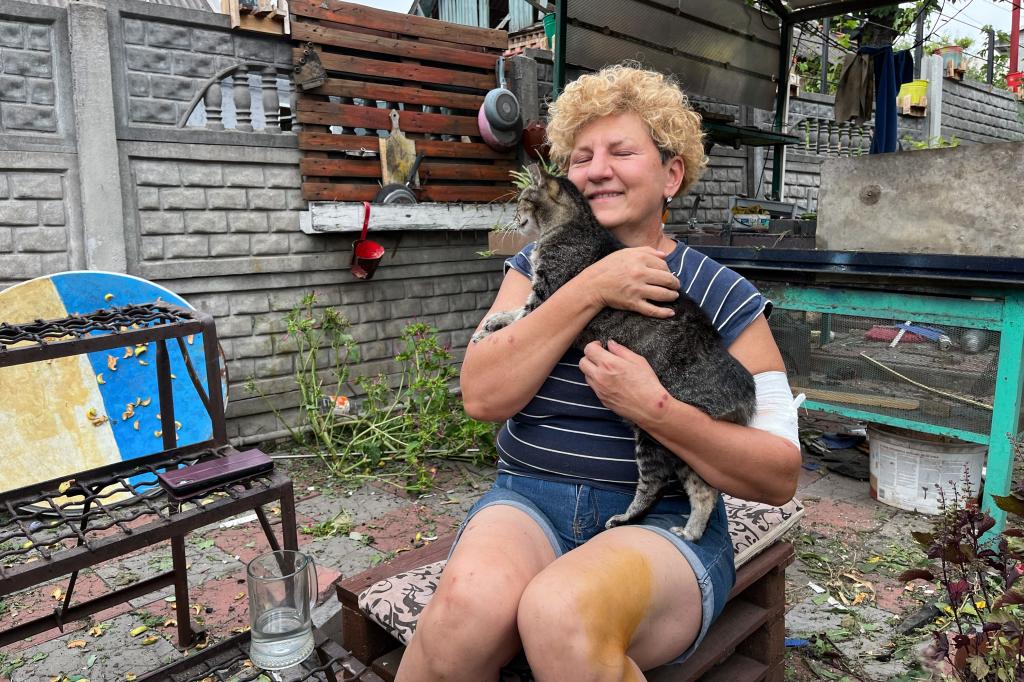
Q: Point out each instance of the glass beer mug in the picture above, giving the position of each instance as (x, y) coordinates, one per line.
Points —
(282, 589)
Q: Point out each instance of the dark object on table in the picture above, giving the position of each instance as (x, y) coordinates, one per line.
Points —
(195, 478)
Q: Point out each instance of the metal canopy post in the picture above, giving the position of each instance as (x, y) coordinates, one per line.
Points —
(781, 110)
(561, 19)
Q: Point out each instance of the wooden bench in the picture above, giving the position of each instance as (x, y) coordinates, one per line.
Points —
(746, 642)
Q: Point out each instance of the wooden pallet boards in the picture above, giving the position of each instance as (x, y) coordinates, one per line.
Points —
(435, 73)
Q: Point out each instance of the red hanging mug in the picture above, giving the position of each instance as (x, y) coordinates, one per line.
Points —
(366, 254)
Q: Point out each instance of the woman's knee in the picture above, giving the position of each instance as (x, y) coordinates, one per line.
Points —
(567, 617)
(472, 612)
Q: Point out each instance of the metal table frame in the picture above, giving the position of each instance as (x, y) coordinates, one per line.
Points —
(63, 525)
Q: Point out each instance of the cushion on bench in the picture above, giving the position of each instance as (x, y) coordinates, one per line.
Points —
(396, 602)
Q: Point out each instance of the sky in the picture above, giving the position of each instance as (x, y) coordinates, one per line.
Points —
(391, 5)
(962, 18)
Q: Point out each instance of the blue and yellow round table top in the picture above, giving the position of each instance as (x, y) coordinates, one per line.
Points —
(62, 416)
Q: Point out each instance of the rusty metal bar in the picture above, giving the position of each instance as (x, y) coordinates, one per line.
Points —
(181, 606)
(85, 609)
(163, 378)
(211, 350)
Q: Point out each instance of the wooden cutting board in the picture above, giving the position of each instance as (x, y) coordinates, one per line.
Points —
(397, 154)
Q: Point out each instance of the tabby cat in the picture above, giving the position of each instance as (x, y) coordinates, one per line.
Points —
(685, 351)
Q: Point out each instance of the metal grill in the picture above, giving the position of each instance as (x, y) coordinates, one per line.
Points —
(57, 515)
(944, 376)
(228, 661)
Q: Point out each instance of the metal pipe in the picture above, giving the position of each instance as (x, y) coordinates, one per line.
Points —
(561, 18)
(781, 111)
(918, 43)
(1015, 36)
(826, 30)
(991, 55)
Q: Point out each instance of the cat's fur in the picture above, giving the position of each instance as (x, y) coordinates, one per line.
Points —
(685, 351)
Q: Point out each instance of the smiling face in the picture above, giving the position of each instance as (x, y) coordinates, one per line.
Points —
(616, 165)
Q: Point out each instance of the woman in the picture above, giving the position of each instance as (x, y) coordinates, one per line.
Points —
(533, 567)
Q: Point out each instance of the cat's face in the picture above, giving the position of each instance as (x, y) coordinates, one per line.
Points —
(548, 203)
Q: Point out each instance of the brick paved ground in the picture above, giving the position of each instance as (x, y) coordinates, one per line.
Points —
(843, 532)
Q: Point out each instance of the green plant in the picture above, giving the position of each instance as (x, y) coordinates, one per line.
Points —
(521, 178)
(342, 524)
(324, 346)
(934, 143)
(402, 421)
(979, 576)
(421, 417)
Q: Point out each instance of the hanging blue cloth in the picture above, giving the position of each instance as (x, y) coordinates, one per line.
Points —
(891, 71)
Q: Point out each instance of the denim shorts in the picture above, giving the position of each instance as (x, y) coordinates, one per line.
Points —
(572, 513)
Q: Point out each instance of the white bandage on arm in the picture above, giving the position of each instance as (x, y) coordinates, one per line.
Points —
(776, 406)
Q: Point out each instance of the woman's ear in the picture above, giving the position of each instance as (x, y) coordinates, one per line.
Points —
(676, 172)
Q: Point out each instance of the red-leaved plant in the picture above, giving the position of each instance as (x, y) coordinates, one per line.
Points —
(981, 580)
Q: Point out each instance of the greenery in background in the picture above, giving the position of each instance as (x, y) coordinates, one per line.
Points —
(401, 423)
(979, 577)
(934, 143)
(901, 20)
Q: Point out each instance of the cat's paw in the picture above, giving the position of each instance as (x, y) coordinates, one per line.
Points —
(495, 322)
(617, 520)
(688, 535)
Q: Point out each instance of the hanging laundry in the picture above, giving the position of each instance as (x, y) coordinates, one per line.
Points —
(855, 93)
(891, 71)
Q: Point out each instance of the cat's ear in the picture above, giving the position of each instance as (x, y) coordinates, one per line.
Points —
(536, 173)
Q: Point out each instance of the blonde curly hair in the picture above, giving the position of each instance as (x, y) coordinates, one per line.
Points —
(630, 88)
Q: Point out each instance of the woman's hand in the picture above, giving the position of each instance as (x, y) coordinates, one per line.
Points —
(629, 279)
(624, 381)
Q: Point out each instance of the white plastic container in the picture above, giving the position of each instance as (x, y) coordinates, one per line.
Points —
(906, 466)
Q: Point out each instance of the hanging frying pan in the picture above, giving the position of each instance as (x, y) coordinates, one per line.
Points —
(501, 106)
(497, 139)
(399, 193)
(498, 118)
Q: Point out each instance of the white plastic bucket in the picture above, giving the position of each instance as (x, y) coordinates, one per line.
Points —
(906, 467)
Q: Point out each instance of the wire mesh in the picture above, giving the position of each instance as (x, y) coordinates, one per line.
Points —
(111, 320)
(58, 515)
(940, 375)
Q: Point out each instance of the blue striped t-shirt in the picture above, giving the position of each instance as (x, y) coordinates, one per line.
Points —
(565, 433)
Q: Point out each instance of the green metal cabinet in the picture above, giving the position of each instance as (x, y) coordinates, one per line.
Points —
(997, 311)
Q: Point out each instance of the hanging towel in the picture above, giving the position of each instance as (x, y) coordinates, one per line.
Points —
(855, 92)
(903, 61)
(891, 71)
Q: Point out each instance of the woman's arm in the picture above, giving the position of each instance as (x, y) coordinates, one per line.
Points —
(739, 460)
(503, 372)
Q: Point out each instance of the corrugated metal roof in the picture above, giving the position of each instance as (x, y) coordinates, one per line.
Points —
(724, 50)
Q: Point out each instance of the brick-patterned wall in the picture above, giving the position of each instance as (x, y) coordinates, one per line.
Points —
(27, 92)
(977, 112)
(199, 209)
(219, 226)
(434, 277)
(33, 225)
(971, 112)
(167, 63)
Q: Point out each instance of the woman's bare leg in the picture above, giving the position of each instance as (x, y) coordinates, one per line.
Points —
(468, 630)
(623, 602)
